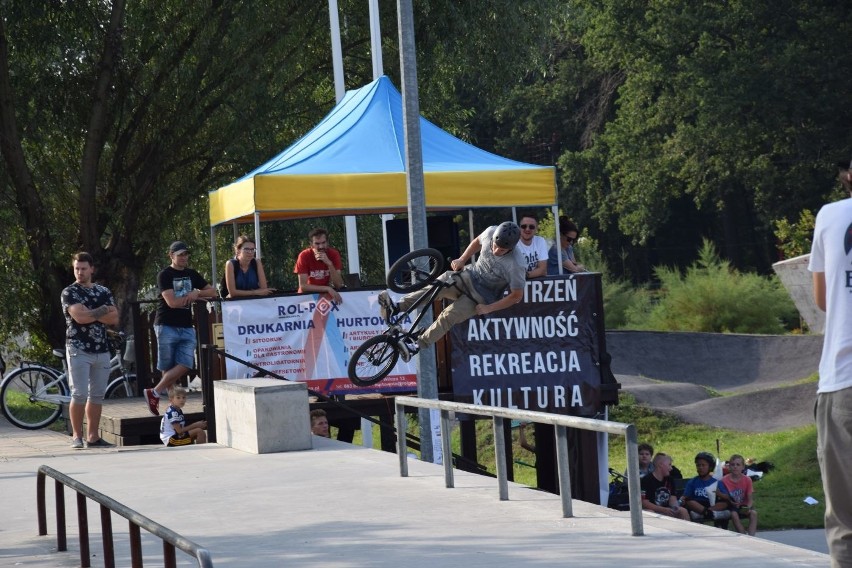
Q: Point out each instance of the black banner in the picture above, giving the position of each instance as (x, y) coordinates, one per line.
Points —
(541, 354)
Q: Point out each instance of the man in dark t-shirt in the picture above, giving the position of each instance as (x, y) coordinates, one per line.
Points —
(179, 287)
(658, 493)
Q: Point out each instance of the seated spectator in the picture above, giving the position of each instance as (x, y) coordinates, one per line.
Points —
(704, 495)
(319, 266)
(739, 487)
(658, 494)
(244, 275)
(532, 246)
(319, 423)
(565, 252)
(646, 463)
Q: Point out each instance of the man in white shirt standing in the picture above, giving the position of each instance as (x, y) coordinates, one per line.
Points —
(533, 247)
(831, 265)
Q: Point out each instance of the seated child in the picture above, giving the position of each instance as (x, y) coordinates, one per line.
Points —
(658, 492)
(173, 428)
(739, 487)
(704, 496)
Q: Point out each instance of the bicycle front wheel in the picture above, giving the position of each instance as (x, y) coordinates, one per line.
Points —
(373, 361)
(415, 270)
(31, 397)
(122, 387)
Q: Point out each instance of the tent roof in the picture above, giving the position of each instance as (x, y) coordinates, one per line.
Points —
(353, 162)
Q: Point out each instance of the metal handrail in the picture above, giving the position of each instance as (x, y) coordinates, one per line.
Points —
(562, 423)
(171, 539)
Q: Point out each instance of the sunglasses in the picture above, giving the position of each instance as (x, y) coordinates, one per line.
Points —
(246, 250)
(530, 227)
(571, 239)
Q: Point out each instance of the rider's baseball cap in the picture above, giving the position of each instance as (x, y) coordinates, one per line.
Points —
(178, 247)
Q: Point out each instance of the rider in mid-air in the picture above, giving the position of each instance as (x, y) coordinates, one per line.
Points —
(476, 290)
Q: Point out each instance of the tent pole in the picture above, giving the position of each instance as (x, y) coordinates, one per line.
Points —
(213, 256)
(385, 218)
(556, 239)
(257, 235)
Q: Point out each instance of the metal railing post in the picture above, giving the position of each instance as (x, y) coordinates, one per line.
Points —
(83, 524)
(61, 537)
(446, 449)
(401, 450)
(564, 471)
(632, 448)
(106, 532)
(500, 458)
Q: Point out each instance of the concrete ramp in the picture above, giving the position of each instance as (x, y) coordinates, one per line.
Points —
(725, 362)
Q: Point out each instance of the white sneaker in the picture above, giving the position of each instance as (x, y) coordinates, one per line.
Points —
(407, 349)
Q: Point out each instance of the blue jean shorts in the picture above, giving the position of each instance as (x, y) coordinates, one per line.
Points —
(175, 346)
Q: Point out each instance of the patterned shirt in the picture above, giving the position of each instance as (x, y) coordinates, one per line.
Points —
(88, 337)
(173, 415)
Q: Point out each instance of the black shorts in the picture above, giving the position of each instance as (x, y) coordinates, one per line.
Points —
(179, 440)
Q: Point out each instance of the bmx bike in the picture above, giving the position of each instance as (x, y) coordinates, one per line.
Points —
(31, 396)
(375, 358)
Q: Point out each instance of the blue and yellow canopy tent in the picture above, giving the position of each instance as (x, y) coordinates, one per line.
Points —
(353, 162)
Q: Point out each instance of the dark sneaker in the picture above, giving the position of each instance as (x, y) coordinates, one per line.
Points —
(386, 307)
(77, 444)
(99, 443)
(153, 401)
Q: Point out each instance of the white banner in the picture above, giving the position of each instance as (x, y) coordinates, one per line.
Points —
(309, 338)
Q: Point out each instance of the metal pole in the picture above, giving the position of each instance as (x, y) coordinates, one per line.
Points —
(564, 471)
(632, 448)
(258, 253)
(447, 450)
(427, 385)
(336, 49)
(376, 39)
(401, 449)
(500, 458)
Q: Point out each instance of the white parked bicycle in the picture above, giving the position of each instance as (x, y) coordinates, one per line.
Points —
(31, 396)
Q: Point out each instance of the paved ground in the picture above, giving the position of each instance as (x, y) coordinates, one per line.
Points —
(340, 505)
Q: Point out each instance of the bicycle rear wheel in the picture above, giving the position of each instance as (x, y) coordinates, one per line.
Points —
(31, 397)
(415, 270)
(122, 387)
(373, 360)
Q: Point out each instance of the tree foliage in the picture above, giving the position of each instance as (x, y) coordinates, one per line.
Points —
(682, 120)
(712, 296)
(116, 118)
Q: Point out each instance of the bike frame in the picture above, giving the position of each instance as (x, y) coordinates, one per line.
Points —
(426, 299)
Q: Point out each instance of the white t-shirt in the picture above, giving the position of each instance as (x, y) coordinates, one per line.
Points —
(534, 252)
(832, 253)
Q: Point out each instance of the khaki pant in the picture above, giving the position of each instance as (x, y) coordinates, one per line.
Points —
(463, 307)
(834, 449)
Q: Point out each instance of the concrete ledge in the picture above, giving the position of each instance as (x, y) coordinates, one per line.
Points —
(262, 416)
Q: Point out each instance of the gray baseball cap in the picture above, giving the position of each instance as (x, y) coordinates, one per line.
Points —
(178, 247)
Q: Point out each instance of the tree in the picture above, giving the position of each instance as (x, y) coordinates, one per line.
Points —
(113, 118)
(116, 118)
(711, 119)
